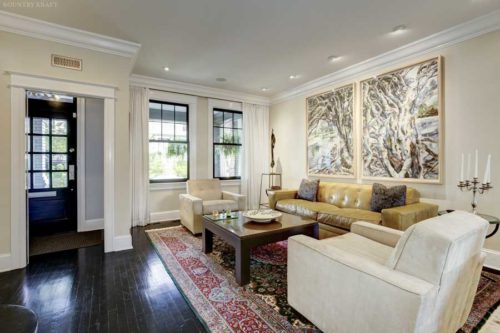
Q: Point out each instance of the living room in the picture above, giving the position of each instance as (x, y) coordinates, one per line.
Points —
(274, 167)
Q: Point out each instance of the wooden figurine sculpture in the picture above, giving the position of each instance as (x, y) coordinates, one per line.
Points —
(273, 143)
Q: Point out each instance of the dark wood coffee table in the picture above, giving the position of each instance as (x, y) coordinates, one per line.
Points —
(244, 235)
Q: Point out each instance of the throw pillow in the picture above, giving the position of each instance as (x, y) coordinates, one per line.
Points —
(387, 197)
(308, 189)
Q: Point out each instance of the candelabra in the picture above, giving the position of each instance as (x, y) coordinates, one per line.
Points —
(476, 187)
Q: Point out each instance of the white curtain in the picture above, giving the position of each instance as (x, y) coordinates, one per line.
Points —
(139, 154)
(256, 150)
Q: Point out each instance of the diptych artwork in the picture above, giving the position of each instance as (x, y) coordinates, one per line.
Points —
(401, 115)
(330, 147)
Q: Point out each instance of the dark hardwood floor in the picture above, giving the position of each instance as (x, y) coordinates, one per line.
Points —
(86, 290)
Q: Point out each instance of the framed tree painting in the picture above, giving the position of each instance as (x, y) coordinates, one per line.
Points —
(330, 127)
(401, 124)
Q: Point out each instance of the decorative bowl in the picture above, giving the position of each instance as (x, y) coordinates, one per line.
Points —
(262, 215)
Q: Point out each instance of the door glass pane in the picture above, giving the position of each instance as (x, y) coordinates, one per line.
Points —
(59, 162)
(59, 179)
(40, 162)
(40, 144)
(59, 126)
(238, 121)
(59, 144)
(218, 118)
(154, 112)
(41, 180)
(40, 125)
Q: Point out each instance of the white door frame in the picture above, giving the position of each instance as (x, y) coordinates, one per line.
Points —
(19, 83)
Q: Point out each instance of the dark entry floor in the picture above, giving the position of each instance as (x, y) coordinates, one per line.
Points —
(64, 241)
(85, 290)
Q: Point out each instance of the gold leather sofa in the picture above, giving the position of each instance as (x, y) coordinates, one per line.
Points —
(338, 205)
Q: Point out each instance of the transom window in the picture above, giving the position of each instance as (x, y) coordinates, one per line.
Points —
(227, 152)
(46, 153)
(168, 142)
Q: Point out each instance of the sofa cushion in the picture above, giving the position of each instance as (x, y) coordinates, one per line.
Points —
(302, 207)
(344, 217)
(387, 197)
(308, 189)
(361, 246)
(219, 205)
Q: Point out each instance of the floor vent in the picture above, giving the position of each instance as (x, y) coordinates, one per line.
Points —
(66, 62)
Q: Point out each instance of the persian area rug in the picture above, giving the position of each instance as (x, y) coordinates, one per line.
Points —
(208, 283)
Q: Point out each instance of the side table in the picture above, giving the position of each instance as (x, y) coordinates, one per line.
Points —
(493, 220)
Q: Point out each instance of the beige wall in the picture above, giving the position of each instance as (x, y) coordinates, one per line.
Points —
(32, 56)
(471, 120)
(168, 200)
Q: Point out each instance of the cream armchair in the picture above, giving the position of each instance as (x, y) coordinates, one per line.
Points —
(203, 197)
(377, 279)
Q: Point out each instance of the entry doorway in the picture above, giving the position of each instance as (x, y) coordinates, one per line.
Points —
(52, 171)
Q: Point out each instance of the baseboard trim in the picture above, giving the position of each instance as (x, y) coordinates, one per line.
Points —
(492, 259)
(122, 243)
(169, 215)
(5, 262)
(91, 225)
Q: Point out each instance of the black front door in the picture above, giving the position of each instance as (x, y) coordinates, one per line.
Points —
(51, 166)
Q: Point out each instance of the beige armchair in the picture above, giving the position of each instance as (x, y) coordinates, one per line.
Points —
(377, 279)
(203, 197)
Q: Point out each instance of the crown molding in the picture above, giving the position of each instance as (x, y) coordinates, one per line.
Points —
(459, 33)
(31, 27)
(196, 89)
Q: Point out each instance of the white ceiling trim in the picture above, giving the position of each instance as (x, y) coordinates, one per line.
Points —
(445, 38)
(196, 89)
(30, 27)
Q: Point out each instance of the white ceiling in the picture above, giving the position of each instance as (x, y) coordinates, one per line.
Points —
(258, 43)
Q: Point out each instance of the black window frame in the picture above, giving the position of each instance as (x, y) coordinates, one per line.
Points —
(187, 142)
(214, 144)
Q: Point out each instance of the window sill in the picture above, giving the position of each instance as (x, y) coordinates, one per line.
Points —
(182, 185)
(167, 186)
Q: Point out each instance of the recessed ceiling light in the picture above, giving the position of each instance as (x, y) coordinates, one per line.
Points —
(293, 77)
(264, 89)
(333, 58)
(166, 69)
(399, 29)
(221, 79)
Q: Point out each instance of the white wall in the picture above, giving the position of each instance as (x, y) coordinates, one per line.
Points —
(94, 159)
(471, 120)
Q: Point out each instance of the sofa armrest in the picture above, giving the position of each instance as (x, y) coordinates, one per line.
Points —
(277, 195)
(403, 217)
(239, 198)
(377, 233)
(190, 204)
(323, 280)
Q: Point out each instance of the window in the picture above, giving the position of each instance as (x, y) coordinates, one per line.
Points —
(168, 142)
(227, 134)
(46, 153)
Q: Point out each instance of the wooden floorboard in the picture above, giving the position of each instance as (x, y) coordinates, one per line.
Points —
(86, 290)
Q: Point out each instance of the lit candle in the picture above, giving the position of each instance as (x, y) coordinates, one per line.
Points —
(462, 168)
(476, 164)
(487, 171)
(468, 166)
